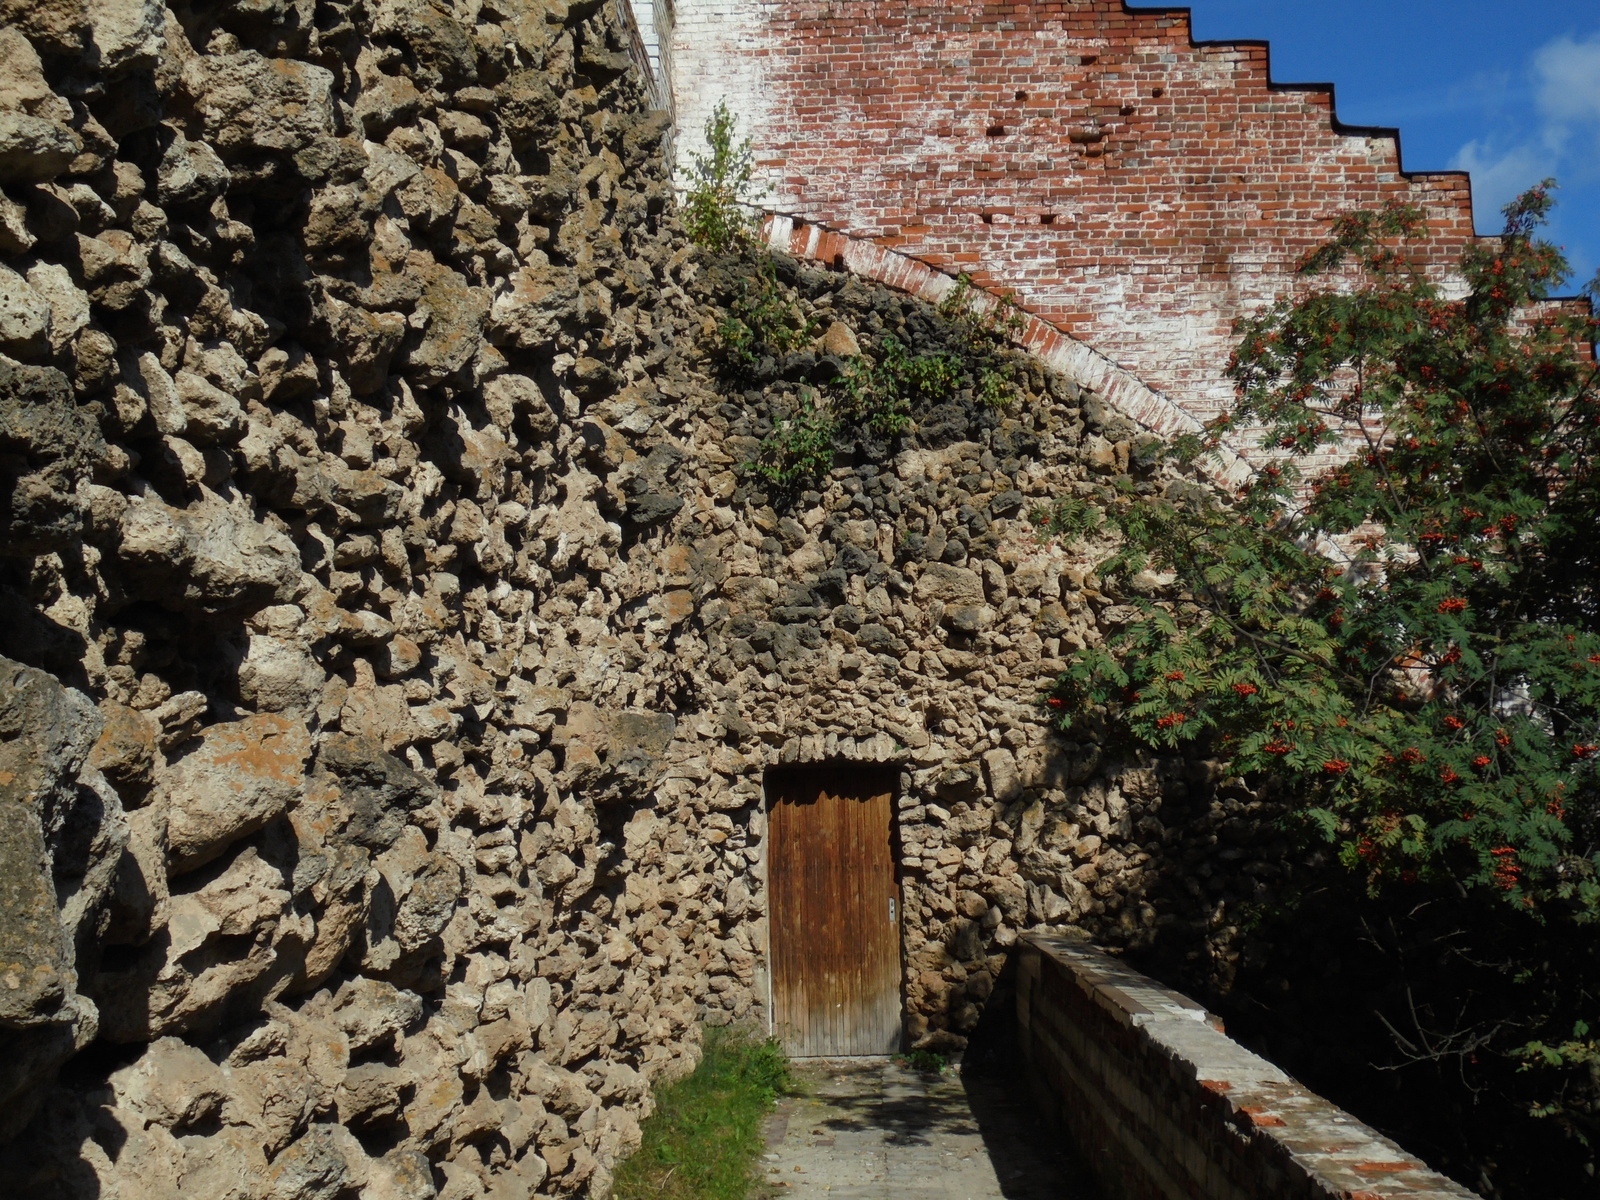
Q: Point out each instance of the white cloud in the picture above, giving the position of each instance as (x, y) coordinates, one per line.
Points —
(1500, 174)
(1569, 81)
(1561, 140)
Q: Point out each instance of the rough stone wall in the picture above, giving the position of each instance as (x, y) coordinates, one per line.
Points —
(395, 645)
(1137, 190)
(294, 301)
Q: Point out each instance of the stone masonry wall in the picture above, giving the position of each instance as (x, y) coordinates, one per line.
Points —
(296, 304)
(1137, 190)
(395, 641)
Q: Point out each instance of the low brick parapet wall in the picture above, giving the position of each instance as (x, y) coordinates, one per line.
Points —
(1162, 1104)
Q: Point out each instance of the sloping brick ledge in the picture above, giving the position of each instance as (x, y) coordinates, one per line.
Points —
(1163, 1105)
(1059, 351)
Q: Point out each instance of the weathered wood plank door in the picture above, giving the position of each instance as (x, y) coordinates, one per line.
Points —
(835, 912)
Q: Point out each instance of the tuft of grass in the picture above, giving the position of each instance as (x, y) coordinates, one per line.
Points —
(929, 1062)
(705, 1138)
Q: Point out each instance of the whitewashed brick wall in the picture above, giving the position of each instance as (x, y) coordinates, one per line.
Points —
(719, 51)
(654, 20)
(1135, 191)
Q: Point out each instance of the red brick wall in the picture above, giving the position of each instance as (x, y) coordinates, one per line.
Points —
(1137, 190)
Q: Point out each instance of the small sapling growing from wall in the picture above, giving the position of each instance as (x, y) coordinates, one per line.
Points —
(715, 208)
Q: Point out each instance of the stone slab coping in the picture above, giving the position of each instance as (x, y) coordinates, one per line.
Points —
(1337, 1154)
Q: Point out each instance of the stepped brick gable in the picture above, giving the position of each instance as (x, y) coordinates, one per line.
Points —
(1136, 189)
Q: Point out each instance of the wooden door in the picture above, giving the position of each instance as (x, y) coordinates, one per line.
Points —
(835, 913)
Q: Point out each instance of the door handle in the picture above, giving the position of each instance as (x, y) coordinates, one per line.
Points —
(891, 910)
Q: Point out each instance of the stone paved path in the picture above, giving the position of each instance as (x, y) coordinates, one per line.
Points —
(880, 1131)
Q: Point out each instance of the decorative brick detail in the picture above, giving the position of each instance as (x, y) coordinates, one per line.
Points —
(1161, 1104)
(1137, 190)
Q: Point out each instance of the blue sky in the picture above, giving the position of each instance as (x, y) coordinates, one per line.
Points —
(1508, 89)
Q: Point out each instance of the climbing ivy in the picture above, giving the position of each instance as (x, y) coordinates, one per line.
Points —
(881, 395)
(800, 447)
(877, 395)
(764, 319)
(986, 331)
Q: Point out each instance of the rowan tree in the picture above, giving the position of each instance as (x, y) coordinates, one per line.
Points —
(1406, 641)
(1405, 645)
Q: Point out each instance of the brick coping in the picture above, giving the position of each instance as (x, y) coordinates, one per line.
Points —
(1052, 346)
(1252, 1108)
